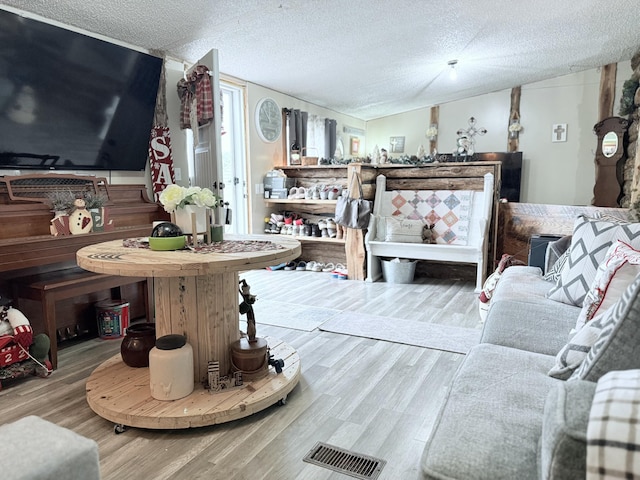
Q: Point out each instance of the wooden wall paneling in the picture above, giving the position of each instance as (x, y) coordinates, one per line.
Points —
(519, 221)
(433, 120)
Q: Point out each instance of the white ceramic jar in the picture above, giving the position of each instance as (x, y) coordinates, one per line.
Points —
(171, 368)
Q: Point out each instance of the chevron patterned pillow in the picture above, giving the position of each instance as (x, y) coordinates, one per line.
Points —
(575, 351)
(589, 244)
(618, 344)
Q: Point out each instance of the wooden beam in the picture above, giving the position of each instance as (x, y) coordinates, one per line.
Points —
(435, 113)
(513, 142)
(607, 91)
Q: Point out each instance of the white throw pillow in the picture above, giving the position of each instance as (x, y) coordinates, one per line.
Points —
(404, 230)
(619, 268)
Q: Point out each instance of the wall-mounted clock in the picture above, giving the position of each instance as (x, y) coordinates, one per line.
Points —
(268, 120)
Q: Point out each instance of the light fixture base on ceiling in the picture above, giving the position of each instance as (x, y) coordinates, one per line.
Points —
(453, 74)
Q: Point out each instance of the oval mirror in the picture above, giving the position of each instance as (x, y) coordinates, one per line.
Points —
(610, 144)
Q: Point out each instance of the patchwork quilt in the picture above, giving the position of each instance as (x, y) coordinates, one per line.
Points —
(448, 210)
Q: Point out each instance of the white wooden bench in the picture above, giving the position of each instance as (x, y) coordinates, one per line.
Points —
(473, 251)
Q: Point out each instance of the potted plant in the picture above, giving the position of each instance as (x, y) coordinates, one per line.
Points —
(182, 202)
(94, 200)
(61, 201)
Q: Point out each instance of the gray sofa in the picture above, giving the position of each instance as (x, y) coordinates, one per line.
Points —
(504, 417)
(36, 449)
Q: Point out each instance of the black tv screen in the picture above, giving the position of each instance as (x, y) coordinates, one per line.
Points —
(70, 101)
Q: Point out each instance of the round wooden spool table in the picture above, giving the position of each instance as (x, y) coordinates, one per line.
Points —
(196, 295)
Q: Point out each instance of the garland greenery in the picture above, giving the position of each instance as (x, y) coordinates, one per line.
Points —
(628, 94)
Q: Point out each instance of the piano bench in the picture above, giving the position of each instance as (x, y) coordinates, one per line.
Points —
(51, 287)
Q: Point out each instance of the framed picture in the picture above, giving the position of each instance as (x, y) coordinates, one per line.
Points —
(397, 144)
(355, 145)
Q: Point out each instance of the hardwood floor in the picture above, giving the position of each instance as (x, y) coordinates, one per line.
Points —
(372, 397)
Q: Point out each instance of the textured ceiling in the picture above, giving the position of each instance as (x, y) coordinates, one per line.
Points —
(370, 58)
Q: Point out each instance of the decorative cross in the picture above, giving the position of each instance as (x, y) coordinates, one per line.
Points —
(559, 132)
(470, 133)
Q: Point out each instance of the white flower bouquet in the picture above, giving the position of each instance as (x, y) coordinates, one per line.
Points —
(175, 196)
(432, 132)
(515, 127)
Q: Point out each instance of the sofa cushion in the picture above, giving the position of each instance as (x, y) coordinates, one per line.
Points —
(522, 283)
(590, 241)
(563, 444)
(541, 327)
(618, 345)
(491, 422)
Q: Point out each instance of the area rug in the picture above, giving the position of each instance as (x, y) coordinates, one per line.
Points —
(409, 332)
(290, 315)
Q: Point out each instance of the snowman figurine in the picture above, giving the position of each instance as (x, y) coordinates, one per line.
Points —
(80, 218)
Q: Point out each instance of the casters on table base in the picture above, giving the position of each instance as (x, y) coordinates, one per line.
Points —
(119, 428)
(282, 401)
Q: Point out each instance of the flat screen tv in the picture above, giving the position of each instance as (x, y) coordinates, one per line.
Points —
(72, 102)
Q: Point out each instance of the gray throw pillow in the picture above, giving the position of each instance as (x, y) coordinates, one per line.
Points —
(555, 250)
(618, 344)
(576, 350)
(590, 241)
(554, 273)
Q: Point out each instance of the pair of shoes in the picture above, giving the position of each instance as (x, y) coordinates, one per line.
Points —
(328, 267)
(331, 228)
(314, 266)
(271, 228)
(322, 225)
(277, 267)
(297, 193)
(340, 272)
(312, 193)
(334, 192)
(290, 266)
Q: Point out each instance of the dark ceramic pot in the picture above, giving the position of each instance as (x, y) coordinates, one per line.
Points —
(139, 340)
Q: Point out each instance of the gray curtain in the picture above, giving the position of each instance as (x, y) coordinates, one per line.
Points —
(298, 132)
(330, 137)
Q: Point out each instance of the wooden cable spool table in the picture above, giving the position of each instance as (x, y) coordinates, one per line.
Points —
(196, 295)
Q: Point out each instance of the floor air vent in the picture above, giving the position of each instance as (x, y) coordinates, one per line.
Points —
(344, 461)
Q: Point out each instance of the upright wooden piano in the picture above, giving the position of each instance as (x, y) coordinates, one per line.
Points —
(39, 271)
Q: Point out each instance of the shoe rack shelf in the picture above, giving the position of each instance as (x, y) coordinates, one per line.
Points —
(304, 239)
(303, 206)
(320, 249)
(300, 201)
